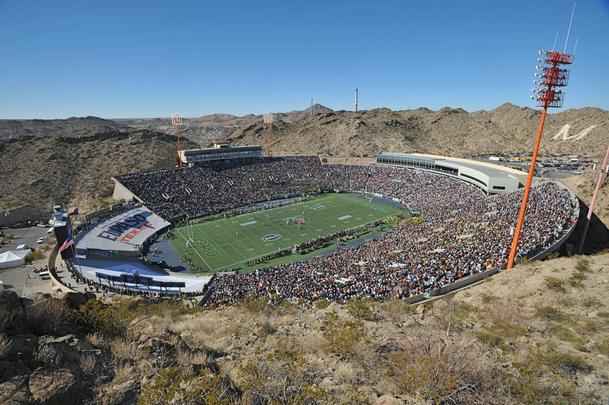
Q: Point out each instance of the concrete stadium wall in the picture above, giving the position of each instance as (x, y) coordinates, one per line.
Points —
(55, 280)
(123, 193)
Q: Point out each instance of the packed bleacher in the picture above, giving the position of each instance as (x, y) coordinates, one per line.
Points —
(464, 232)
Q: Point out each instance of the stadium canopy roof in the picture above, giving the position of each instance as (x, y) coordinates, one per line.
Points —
(12, 259)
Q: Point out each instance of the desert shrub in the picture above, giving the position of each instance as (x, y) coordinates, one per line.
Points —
(395, 309)
(361, 309)
(122, 349)
(36, 254)
(463, 310)
(112, 320)
(603, 314)
(104, 319)
(266, 328)
(565, 362)
(342, 335)
(549, 313)
(590, 302)
(254, 305)
(567, 335)
(544, 377)
(287, 352)
(174, 385)
(585, 326)
(491, 339)
(279, 384)
(488, 298)
(577, 279)
(603, 346)
(443, 371)
(50, 316)
(555, 284)
(322, 303)
(583, 266)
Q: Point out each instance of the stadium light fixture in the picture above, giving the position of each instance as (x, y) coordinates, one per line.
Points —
(550, 80)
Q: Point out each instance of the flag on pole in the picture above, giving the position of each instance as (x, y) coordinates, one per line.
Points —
(68, 242)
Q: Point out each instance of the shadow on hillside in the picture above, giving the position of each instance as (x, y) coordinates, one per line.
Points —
(598, 234)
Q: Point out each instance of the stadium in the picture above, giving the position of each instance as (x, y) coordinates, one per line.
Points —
(233, 224)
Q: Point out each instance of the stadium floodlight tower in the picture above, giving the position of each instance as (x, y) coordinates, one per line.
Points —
(177, 124)
(551, 79)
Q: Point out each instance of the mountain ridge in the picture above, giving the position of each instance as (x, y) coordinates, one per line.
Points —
(71, 161)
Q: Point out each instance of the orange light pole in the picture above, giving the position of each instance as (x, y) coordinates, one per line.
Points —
(551, 77)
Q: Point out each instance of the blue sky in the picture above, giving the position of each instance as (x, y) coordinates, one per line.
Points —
(135, 58)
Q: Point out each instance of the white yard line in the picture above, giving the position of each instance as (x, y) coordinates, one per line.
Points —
(196, 251)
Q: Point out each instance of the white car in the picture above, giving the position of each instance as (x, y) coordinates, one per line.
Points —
(41, 240)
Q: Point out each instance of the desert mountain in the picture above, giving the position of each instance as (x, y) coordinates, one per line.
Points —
(446, 131)
(72, 160)
(41, 171)
(71, 127)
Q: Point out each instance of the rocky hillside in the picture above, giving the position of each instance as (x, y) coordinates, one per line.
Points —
(42, 171)
(71, 161)
(447, 131)
(536, 335)
(320, 130)
(71, 127)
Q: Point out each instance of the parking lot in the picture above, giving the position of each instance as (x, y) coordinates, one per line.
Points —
(23, 236)
(24, 281)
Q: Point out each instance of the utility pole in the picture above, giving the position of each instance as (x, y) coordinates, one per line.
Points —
(356, 99)
(602, 176)
(176, 123)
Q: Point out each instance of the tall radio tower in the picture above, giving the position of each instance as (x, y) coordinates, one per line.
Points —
(176, 123)
(551, 77)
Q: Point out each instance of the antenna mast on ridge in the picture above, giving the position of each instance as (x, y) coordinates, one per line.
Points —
(176, 123)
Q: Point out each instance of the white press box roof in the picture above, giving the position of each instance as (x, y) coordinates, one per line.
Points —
(123, 233)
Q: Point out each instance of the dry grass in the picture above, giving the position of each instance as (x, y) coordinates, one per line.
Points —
(603, 347)
(96, 340)
(555, 284)
(361, 309)
(442, 370)
(88, 362)
(510, 340)
(123, 350)
(342, 335)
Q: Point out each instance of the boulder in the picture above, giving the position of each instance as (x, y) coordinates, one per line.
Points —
(76, 299)
(18, 347)
(12, 312)
(59, 351)
(15, 391)
(122, 393)
(52, 386)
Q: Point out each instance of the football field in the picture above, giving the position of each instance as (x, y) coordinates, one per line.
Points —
(227, 243)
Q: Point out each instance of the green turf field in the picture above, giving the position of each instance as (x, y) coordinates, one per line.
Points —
(226, 243)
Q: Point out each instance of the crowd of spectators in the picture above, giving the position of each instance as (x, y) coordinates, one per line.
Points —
(463, 231)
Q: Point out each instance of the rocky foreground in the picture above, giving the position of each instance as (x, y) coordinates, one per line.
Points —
(534, 335)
